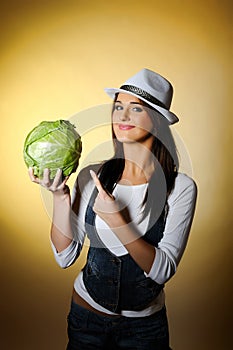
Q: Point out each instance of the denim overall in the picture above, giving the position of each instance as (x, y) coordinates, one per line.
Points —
(118, 283)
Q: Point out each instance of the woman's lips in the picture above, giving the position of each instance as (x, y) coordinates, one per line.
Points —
(125, 127)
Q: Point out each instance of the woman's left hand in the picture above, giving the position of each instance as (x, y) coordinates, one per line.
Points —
(106, 207)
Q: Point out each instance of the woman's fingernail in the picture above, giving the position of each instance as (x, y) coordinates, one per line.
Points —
(92, 173)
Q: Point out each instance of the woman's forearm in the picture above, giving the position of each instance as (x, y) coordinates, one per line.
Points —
(61, 229)
(142, 252)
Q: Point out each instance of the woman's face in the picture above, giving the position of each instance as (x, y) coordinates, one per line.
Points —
(131, 121)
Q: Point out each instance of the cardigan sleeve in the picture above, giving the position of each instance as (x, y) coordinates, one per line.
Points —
(67, 257)
(170, 249)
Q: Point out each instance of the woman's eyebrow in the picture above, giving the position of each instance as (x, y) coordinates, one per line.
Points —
(133, 102)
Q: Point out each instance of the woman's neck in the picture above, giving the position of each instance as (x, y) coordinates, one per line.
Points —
(139, 164)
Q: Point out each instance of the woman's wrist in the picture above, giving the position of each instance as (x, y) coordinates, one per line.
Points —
(61, 197)
(116, 221)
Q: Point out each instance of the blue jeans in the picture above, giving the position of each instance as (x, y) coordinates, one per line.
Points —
(88, 330)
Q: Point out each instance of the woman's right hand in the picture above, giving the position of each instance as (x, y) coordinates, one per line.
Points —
(57, 185)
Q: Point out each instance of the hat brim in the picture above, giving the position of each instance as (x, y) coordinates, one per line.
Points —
(171, 117)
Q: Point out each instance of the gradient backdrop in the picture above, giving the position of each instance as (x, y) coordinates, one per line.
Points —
(56, 58)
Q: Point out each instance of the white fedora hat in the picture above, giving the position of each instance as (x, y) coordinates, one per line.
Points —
(151, 88)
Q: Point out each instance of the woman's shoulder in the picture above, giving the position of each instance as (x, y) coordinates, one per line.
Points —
(184, 180)
(184, 186)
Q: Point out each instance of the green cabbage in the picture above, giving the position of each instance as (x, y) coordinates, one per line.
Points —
(53, 145)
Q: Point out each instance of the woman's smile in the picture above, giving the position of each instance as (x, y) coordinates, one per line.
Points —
(125, 126)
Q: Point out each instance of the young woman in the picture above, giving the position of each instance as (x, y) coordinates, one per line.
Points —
(136, 209)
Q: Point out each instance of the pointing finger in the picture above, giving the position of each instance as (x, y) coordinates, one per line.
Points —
(103, 193)
(98, 184)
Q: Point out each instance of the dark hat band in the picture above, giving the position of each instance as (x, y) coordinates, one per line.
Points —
(144, 94)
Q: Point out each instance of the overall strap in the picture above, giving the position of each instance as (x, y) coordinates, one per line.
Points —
(90, 227)
(155, 229)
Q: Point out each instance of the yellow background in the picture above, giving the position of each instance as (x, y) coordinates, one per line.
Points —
(56, 58)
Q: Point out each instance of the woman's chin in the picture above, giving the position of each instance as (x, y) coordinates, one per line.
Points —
(125, 140)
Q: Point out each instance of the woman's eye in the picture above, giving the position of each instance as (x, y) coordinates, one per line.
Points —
(118, 107)
(137, 109)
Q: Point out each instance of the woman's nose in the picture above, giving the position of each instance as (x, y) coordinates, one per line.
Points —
(125, 115)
